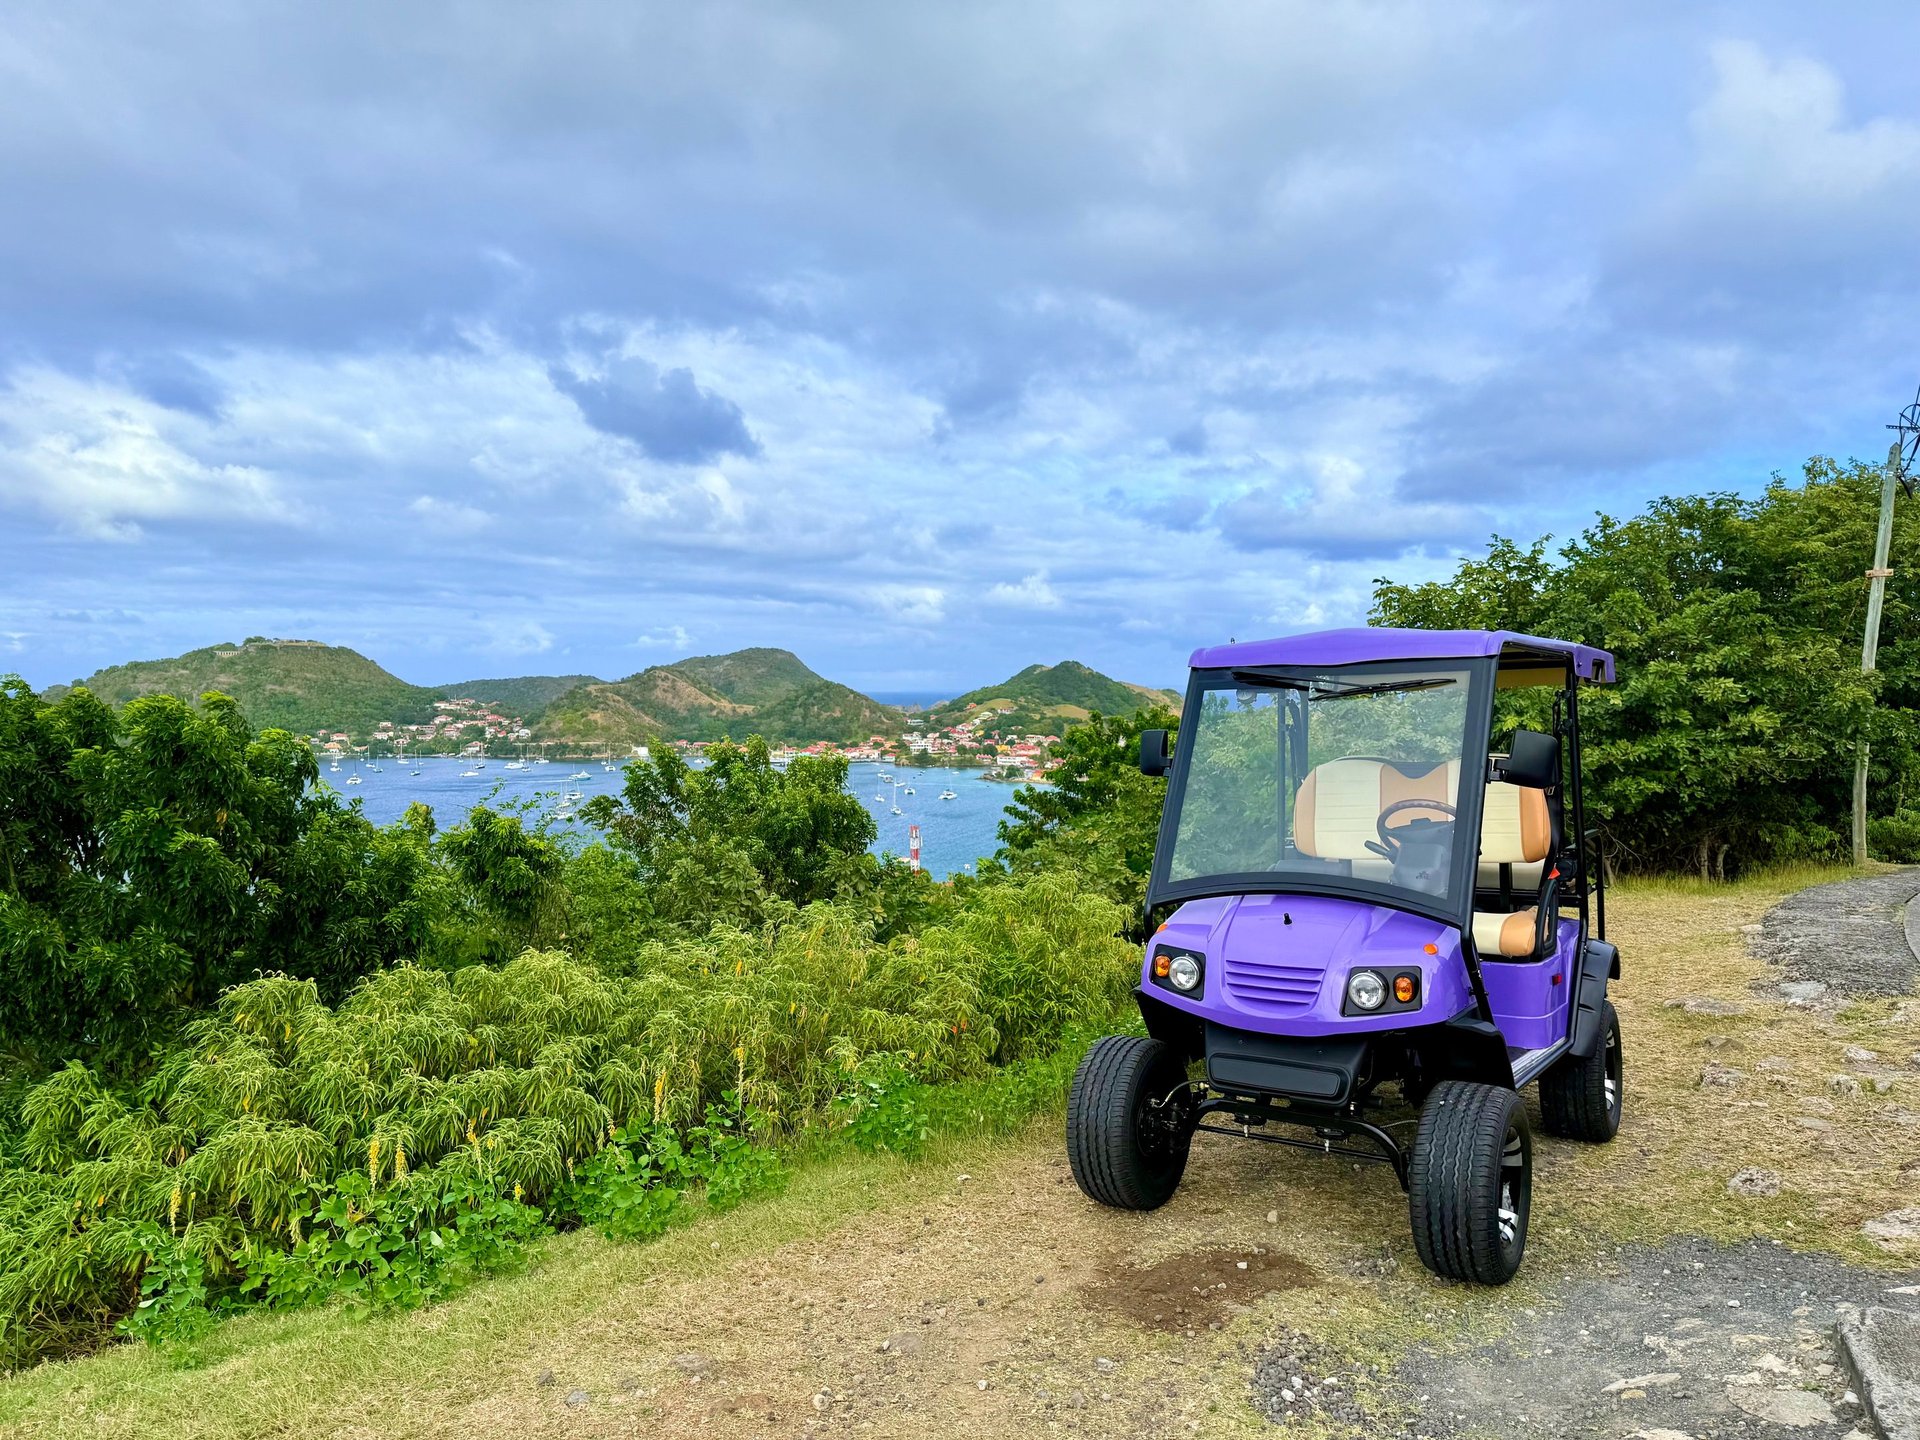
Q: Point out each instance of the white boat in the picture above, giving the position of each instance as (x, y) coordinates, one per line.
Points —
(608, 768)
(515, 765)
(465, 773)
(413, 772)
(948, 795)
(906, 790)
(580, 775)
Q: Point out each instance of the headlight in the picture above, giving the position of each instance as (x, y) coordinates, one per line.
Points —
(1366, 990)
(1184, 972)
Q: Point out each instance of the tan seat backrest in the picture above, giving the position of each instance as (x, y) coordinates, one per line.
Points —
(1337, 808)
(1515, 827)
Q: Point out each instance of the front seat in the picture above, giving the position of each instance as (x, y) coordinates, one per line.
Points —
(1516, 829)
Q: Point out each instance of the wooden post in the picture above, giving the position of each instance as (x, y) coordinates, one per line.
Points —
(1870, 643)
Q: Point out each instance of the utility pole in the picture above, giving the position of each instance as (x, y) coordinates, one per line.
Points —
(1870, 644)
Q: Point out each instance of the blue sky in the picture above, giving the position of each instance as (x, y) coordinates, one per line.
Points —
(927, 341)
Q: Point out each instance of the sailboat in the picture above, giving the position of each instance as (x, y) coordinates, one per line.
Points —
(949, 795)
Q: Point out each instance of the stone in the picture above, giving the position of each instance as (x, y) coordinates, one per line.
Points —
(1814, 1105)
(1642, 1382)
(1881, 1348)
(1859, 1055)
(1754, 1183)
(1273, 1216)
(1914, 1059)
(1882, 1084)
(1706, 1005)
(1774, 1064)
(1106, 1366)
(1802, 992)
(904, 1342)
(576, 1398)
(544, 1379)
(1843, 1084)
(1893, 1228)
(1660, 1435)
(1812, 1122)
(1720, 1077)
(692, 1362)
(1795, 1409)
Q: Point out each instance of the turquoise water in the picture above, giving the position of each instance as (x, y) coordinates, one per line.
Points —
(954, 834)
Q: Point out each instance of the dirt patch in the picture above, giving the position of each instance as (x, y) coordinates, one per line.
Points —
(1198, 1290)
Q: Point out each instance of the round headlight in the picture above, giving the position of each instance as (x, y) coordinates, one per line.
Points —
(1365, 990)
(1184, 972)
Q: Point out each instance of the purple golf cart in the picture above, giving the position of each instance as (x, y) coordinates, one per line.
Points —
(1365, 893)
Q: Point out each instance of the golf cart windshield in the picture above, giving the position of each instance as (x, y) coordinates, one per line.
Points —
(1341, 779)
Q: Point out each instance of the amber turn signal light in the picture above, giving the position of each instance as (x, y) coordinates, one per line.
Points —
(1162, 963)
(1403, 988)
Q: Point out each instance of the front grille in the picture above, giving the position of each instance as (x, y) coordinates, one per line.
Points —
(1273, 988)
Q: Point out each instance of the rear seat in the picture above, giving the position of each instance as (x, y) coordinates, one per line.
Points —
(1338, 807)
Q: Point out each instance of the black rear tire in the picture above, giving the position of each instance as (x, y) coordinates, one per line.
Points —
(1470, 1182)
(1581, 1099)
(1129, 1124)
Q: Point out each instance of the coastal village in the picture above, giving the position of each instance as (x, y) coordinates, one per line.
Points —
(471, 728)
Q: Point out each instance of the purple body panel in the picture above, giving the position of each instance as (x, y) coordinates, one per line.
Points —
(1356, 646)
(1278, 965)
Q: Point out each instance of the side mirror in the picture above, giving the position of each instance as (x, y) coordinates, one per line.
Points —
(1155, 759)
(1534, 761)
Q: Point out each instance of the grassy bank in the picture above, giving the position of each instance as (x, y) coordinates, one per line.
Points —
(980, 1265)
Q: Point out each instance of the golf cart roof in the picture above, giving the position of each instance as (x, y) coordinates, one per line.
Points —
(1365, 643)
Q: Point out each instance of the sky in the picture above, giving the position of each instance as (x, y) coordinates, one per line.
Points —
(925, 341)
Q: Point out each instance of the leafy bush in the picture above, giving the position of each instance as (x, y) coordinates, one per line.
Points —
(883, 1106)
(1896, 837)
(369, 1148)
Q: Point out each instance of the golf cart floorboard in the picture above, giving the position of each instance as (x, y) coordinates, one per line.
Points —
(1529, 1065)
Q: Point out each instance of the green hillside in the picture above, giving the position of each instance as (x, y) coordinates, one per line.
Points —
(1047, 696)
(519, 694)
(711, 697)
(298, 685)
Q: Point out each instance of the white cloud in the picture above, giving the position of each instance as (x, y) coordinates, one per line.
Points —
(915, 604)
(102, 461)
(671, 637)
(450, 517)
(1031, 593)
(517, 637)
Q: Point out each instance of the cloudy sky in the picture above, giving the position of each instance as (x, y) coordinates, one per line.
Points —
(927, 341)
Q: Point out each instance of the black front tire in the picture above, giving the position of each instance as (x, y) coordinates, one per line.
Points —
(1128, 1123)
(1470, 1183)
(1582, 1099)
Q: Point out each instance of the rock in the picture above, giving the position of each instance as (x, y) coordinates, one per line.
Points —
(1843, 1085)
(821, 1400)
(1774, 1064)
(1754, 1183)
(692, 1362)
(1720, 1077)
(544, 1379)
(1914, 1059)
(1660, 1435)
(1882, 1084)
(1273, 1216)
(1882, 1352)
(905, 1342)
(1705, 1005)
(1814, 1105)
(1642, 1382)
(1812, 1122)
(1802, 992)
(1893, 1228)
(1720, 1042)
(1795, 1409)
(1106, 1366)
(1858, 1055)
(576, 1398)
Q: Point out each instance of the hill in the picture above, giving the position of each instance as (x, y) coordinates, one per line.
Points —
(519, 694)
(297, 685)
(1046, 696)
(711, 697)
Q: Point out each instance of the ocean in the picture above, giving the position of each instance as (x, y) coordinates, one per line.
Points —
(954, 834)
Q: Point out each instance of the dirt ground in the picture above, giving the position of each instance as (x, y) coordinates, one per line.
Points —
(979, 1294)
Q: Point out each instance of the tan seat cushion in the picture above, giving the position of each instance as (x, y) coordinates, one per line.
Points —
(1337, 808)
(1511, 935)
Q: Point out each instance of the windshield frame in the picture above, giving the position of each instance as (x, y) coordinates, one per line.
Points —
(1455, 909)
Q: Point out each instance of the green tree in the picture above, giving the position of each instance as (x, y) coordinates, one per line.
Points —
(151, 857)
(1101, 816)
(1736, 625)
(727, 839)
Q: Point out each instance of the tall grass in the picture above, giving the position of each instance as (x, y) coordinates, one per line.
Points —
(504, 1080)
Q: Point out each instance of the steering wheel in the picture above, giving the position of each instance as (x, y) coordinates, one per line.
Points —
(1389, 846)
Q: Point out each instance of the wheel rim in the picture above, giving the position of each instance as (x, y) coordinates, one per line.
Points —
(1516, 1190)
(1613, 1072)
